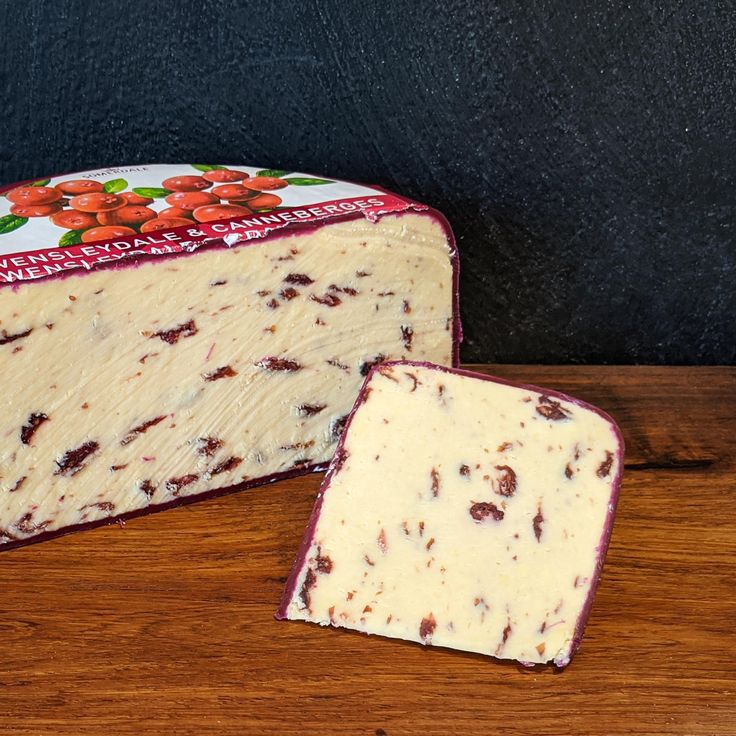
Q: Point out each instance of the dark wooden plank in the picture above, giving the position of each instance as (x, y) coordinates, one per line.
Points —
(166, 625)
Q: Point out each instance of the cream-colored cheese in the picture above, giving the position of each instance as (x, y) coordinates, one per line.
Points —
(185, 375)
(463, 513)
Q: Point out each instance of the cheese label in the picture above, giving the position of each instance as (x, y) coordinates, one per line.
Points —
(85, 219)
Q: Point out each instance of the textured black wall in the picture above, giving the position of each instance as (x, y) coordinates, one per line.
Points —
(585, 153)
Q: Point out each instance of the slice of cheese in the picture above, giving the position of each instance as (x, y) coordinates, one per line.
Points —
(462, 511)
(146, 382)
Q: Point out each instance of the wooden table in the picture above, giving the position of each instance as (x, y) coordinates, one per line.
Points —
(166, 626)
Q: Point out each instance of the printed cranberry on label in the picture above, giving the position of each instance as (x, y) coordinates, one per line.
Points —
(80, 186)
(178, 212)
(130, 214)
(213, 212)
(191, 200)
(186, 184)
(105, 233)
(266, 183)
(34, 195)
(164, 223)
(96, 202)
(35, 210)
(233, 192)
(217, 176)
(133, 198)
(264, 202)
(74, 220)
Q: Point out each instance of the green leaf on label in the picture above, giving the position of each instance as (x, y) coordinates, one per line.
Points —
(278, 173)
(299, 181)
(71, 237)
(207, 167)
(40, 183)
(10, 223)
(115, 185)
(152, 192)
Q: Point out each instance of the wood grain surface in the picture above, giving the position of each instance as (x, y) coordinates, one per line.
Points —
(166, 626)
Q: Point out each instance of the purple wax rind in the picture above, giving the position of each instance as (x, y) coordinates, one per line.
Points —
(561, 661)
(155, 508)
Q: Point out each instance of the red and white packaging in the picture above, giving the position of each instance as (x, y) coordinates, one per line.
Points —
(81, 220)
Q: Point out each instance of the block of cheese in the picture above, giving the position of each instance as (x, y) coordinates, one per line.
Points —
(208, 335)
(462, 511)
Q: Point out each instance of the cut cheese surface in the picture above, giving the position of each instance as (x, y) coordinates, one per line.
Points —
(463, 512)
(132, 388)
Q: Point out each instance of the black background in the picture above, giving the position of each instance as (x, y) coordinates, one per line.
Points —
(584, 152)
